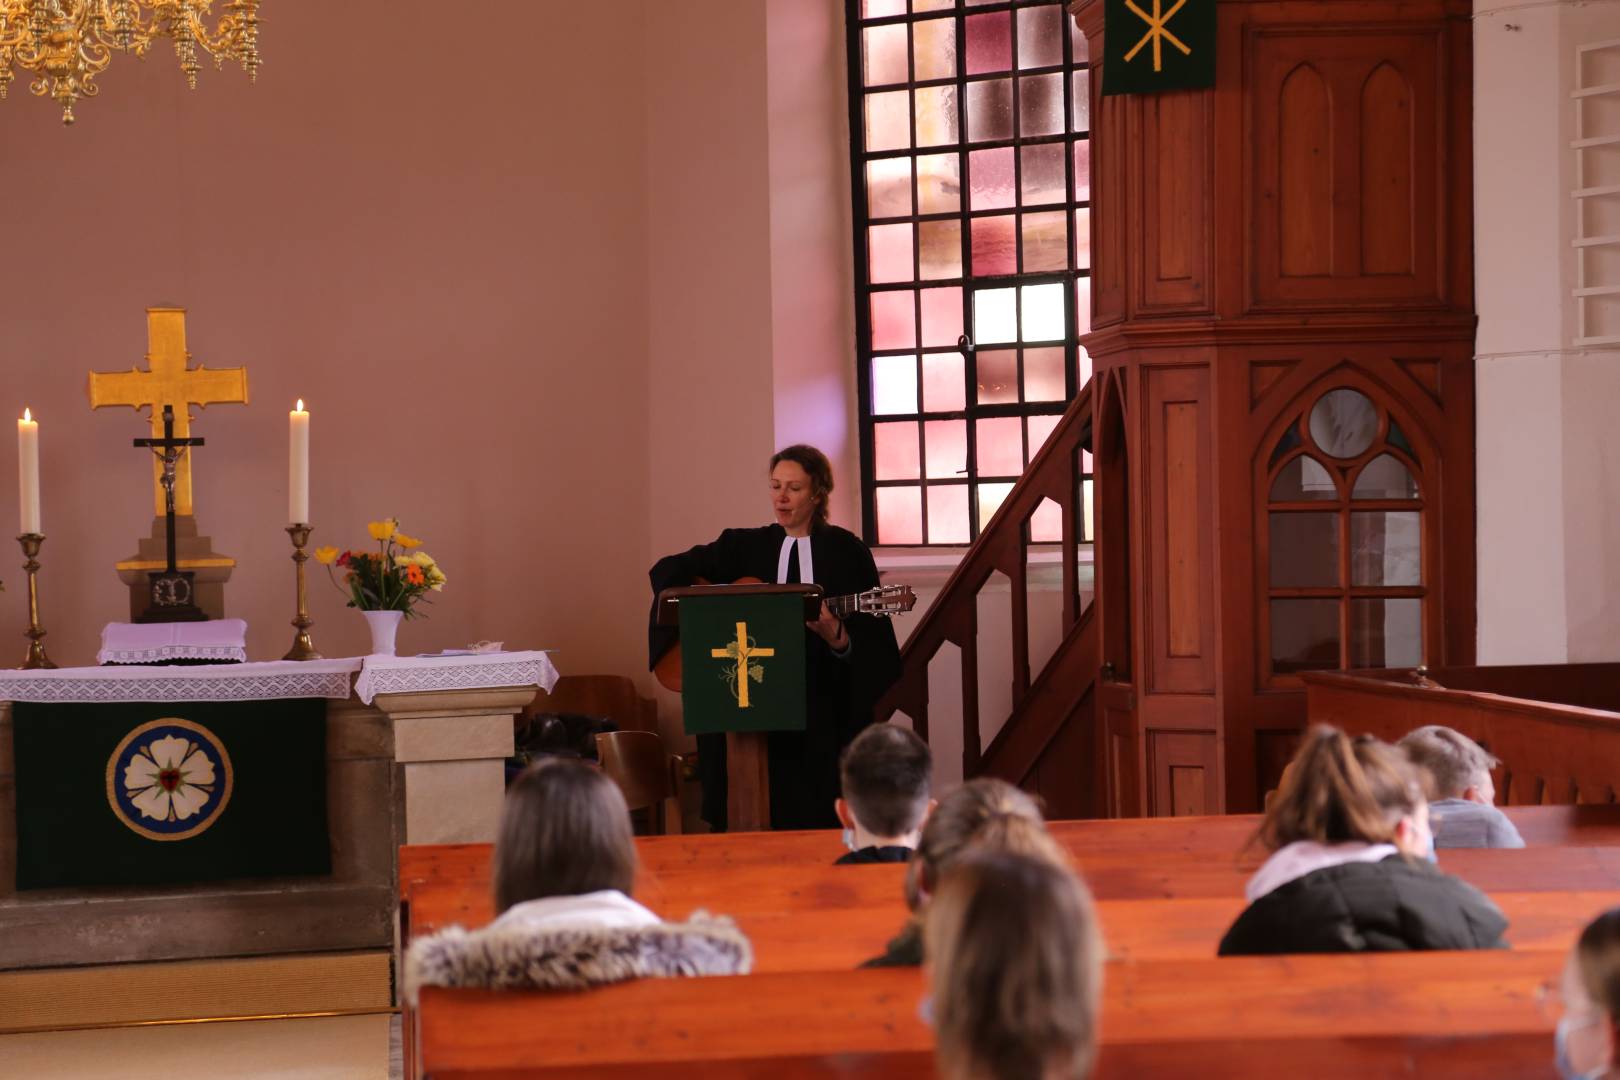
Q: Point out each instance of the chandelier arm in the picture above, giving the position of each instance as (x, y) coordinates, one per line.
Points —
(65, 44)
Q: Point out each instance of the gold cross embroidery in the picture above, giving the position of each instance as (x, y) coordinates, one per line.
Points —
(168, 381)
(742, 652)
(1157, 33)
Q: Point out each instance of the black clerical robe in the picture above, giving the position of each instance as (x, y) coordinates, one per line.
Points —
(841, 692)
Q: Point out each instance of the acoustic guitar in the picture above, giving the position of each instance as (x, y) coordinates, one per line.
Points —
(885, 601)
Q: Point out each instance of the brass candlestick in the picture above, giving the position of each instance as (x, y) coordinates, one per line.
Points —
(302, 647)
(36, 652)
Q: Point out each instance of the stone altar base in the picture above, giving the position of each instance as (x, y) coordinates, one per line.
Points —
(413, 768)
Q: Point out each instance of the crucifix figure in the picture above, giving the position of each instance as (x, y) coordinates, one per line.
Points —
(742, 652)
(171, 598)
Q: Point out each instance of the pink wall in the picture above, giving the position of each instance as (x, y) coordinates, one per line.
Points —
(438, 239)
(812, 287)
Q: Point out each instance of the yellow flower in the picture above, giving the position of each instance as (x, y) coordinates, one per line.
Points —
(326, 555)
(382, 530)
(407, 542)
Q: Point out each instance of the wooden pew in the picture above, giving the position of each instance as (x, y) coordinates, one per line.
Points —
(1450, 1014)
(1586, 826)
(1138, 876)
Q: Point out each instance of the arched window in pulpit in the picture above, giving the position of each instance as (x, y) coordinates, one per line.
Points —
(1342, 555)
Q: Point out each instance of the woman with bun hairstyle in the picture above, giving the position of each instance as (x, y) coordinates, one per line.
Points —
(1350, 867)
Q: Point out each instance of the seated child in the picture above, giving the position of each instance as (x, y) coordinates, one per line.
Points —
(983, 814)
(1462, 795)
(564, 865)
(1585, 1044)
(1349, 836)
(1015, 970)
(885, 775)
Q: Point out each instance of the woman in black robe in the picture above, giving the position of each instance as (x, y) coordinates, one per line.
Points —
(849, 663)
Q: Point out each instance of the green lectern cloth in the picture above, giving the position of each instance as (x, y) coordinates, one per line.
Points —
(1153, 45)
(169, 793)
(742, 663)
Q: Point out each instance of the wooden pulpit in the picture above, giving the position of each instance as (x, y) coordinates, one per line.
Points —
(740, 668)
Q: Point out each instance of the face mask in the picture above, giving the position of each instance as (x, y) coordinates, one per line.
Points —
(1566, 1067)
(1425, 842)
(849, 839)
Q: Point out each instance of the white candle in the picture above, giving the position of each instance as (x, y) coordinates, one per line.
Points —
(28, 471)
(298, 465)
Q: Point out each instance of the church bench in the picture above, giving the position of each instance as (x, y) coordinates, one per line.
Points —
(1136, 876)
(1341, 1015)
(1588, 826)
(1551, 725)
(840, 935)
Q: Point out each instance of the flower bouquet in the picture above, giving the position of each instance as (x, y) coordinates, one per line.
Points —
(395, 577)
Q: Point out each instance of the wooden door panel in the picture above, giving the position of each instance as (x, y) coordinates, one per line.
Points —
(1346, 169)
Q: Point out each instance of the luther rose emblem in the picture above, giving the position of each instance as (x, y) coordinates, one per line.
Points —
(169, 779)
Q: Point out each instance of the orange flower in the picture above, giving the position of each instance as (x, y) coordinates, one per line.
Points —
(414, 575)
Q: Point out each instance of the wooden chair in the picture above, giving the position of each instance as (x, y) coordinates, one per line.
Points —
(648, 777)
(612, 696)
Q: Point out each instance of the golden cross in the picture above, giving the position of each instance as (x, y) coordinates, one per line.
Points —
(742, 652)
(168, 381)
(1156, 32)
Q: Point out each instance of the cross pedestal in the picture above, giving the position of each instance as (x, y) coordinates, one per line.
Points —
(192, 552)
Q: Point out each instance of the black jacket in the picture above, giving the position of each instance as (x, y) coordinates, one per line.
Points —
(1392, 905)
(891, 854)
(905, 949)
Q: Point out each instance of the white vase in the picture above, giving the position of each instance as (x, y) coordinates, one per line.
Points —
(384, 625)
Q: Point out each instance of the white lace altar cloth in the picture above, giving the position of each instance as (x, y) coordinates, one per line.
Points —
(415, 674)
(273, 679)
(205, 682)
(220, 640)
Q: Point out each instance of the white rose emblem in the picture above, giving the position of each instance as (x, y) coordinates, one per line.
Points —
(170, 779)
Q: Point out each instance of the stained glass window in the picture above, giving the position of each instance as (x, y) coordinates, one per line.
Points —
(972, 195)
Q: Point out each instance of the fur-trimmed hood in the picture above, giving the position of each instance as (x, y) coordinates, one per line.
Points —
(516, 957)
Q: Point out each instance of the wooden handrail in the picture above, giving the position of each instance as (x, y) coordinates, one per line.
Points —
(1003, 545)
(1550, 753)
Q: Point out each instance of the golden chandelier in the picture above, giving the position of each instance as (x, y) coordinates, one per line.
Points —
(67, 43)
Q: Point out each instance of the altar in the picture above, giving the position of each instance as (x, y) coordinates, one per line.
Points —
(414, 753)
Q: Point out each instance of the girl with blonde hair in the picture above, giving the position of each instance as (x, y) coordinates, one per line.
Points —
(1015, 970)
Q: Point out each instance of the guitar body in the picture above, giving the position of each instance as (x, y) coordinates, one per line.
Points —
(668, 669)
(885, 601)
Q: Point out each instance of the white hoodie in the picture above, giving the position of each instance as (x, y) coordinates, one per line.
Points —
(1302, 857)
(608, 908)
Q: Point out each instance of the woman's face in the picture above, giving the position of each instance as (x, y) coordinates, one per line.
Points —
(1584, 1043)
(792, 497)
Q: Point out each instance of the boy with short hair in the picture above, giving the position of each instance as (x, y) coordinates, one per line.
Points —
(1462, 803)
(886, 774)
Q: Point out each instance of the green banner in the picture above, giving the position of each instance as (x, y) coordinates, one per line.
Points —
(169, 793)
(742, 663)
(1153, 45)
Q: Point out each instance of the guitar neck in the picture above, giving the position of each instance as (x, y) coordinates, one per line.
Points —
(843, 606)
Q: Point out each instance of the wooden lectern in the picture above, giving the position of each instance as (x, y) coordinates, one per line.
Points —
(740, 669)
